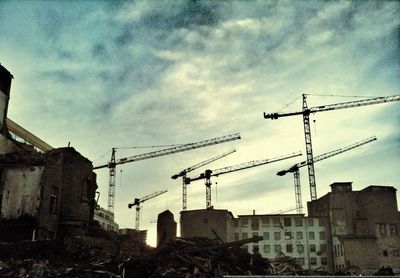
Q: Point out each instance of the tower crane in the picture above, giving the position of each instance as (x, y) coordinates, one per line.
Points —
(307, 131)
(137, 202)
(229, 169)
(180, 148)
(194, 167)
(296, 173)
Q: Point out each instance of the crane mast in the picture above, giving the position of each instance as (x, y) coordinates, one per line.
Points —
(184, 172)
(296, 173)
(137, 202)
(181, 148)
(306, 123)
(229, 169)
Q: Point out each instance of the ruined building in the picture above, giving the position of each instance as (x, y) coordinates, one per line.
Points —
(42, 195)
(294, 235)
(343, 228)
(166, 227)
(207, 223)
(363, 226)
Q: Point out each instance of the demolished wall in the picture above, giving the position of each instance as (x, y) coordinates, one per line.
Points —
(21, 192)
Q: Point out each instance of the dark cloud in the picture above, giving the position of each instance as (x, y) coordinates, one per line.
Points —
(182, 14)
(62, 76)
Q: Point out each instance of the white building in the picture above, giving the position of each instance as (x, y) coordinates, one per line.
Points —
(106, 219)
(294, 235)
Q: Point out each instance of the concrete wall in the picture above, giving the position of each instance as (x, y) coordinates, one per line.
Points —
(21, 192)
(359, 252)
(199, 223)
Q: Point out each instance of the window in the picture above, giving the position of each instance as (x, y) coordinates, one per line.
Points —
(382, 228)
(255, 224)
(236, 236)
(299, 235)
(236, 222)
(322, 235)
(322, 222)
(267, 249)
(287, 221)
(311, 235)
(53, 200)
(85, 189)
(278, 249)
(298, 221)
(289, 248)
(324, 260)
(323, 248)
(244, 235)
(266, 235)
(312, 247)
(256, 248)
(393, 229)
(265, 222)
(276, 222)
(300, 248)
(300, 261)
(277, 235)
(313, 261)
(244, 222)
(385, 253)
(335, 250)
(255, 234)
(310, 222)
(341, 249)
(288, 235)
(51, 235)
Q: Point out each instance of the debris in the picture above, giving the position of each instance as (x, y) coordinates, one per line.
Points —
(197, 257)
(284, 265)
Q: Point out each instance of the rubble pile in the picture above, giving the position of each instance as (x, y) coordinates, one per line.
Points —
(284, 265)
(101, 258)
(72, 257)
(197, 257)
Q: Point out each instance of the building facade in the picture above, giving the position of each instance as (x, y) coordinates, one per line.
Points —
(303, 238)
(207, 223)
(42, 195)
(105, 219)
(166, 227)
(363, 226)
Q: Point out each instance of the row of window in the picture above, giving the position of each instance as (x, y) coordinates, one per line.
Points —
(289, 248)
(276, 222)
(106, 216)
(338, 250)
(287, 235)
(387, 229)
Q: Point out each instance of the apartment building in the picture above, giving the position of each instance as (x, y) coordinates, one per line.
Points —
(294, 235)
(105, 219)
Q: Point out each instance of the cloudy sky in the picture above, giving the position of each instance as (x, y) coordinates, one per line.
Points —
(103, 74)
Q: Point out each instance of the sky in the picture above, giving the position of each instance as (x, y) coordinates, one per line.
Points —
(104, 74)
